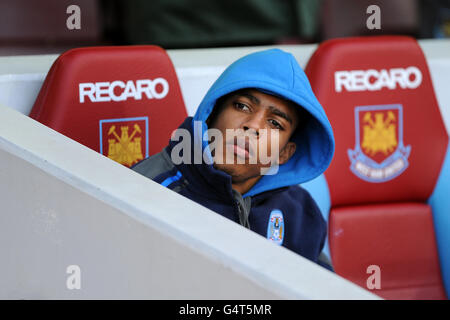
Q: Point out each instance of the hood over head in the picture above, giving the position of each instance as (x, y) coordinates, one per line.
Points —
(277, 72)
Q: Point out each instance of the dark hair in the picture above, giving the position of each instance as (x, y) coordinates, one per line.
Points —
(303, 117)
(218, 108)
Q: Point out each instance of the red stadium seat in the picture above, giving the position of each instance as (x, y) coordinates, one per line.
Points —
(390, 146)
(123, 102)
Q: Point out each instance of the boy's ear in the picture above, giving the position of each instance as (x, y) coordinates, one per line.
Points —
(287, 152)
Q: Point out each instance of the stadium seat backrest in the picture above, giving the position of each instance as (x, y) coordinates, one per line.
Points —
(390, 146)
(122, 101)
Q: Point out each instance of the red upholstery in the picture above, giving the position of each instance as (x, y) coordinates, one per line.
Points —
(423, 127)
(123, 102)
(390, 146)
(390, 236)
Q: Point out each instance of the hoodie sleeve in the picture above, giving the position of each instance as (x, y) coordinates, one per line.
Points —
(154, 166)
(324, 261)
(313, 209)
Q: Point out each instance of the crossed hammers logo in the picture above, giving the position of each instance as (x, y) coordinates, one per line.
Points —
(124, 139)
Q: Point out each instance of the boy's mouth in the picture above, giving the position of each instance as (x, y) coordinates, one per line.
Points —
(242, 149)
(240, 152)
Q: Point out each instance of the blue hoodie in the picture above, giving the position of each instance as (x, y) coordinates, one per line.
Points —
(276, 207)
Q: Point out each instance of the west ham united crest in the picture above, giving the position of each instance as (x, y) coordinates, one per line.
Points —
(124, 140)
(379, 153)
(275, 227)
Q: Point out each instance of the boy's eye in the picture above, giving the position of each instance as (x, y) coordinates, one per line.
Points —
(241, 106)
(276, 124)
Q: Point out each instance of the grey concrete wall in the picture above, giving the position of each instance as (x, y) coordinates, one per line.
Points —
(63, 204)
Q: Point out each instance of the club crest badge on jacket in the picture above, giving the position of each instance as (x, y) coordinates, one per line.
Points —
(275, 227)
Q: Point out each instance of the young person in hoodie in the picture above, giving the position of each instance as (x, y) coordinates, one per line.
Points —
(266, 90)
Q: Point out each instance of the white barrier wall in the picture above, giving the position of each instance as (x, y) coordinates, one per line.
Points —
(62, 204)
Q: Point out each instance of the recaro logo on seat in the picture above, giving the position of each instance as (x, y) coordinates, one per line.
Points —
(372, 80)
(106, 91)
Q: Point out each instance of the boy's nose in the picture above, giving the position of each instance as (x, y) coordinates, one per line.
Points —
(254, 124)
(251, 130)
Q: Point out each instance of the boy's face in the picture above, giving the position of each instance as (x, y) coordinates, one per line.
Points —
(254, 116)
